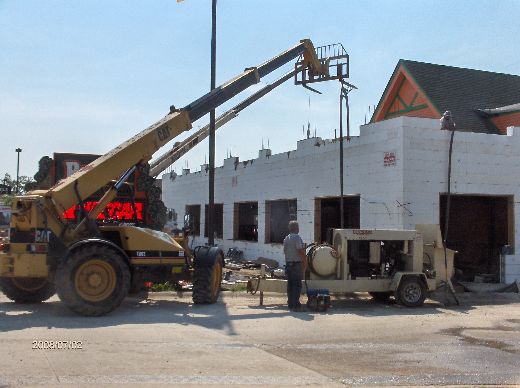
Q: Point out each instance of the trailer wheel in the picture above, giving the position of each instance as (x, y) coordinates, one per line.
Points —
(381, 296)
(27, 290)
(93, 280)
(411, 292)
(207, 282)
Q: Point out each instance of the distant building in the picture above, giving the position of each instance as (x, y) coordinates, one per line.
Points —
(5, 189)
(395, 174)
(5, 218)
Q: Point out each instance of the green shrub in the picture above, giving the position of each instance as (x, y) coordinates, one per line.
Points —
(239, 287)
(158, 287)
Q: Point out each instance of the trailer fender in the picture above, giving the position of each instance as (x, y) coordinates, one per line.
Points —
(399, 276)
(207, 256)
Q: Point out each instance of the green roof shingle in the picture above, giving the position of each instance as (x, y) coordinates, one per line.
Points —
(465, 91)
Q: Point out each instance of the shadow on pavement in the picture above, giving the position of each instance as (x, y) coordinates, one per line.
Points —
(180, 311)
(362, 305)
(53, 314)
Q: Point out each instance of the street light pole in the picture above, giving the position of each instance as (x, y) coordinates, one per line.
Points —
(211, 202)
(341, 209)
(18, 150)
(346, 88)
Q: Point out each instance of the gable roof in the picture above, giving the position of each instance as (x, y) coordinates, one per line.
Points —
(465, 92)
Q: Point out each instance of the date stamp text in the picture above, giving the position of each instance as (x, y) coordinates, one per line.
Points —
(58, 345)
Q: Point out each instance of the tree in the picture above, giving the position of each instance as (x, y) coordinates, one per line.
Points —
(25, 183)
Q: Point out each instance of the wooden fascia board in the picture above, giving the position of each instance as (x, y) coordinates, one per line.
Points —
(389, 87)
(401, 69)
(418, 87)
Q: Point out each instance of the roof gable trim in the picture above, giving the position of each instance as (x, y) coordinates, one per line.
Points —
(397, 106)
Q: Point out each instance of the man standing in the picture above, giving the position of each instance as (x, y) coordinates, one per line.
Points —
(295, 265)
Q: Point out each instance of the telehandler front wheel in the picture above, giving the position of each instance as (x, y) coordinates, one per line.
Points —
(411, 292)
(207, 282)
(93, 280)
(27, 290)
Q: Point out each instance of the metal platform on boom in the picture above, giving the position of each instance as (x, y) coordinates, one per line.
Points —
(334, 64)
(334, 59)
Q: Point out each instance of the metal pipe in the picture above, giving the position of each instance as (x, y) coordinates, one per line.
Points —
(18, 150)
(180, 149)
(447, 123)
(347, 107)
(342, 220)
(211, 200)
(250, 76)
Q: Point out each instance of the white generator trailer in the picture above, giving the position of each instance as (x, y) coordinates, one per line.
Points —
(383, 263)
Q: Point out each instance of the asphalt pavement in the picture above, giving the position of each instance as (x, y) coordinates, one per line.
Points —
(165, 339)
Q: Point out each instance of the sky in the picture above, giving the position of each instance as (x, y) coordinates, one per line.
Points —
(84, 76)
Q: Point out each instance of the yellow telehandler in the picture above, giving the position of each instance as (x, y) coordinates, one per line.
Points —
(92, 266)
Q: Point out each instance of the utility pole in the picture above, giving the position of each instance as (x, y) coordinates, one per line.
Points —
(211, 202)
(18, 150)
(341, 210)
(346, 88)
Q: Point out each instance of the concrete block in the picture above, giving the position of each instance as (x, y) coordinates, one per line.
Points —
(512, 260)
(311, 171)
(512, 278)
(512, 268)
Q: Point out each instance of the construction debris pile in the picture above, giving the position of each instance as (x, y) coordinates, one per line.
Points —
(240, 270)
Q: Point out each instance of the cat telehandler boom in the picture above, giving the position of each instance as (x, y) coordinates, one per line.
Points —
(92, 266)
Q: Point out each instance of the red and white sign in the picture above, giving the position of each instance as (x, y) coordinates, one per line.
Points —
(71, 166)
(122, 211)
(389, 159)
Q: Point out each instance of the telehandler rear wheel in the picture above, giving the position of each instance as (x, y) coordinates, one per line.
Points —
(27, 290)
(411, 292)
(207, 282)
(93, 280)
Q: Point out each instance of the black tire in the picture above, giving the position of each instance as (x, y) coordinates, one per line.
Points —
(207, 282)
(411, 292)
(136, 284)
(78, 285)
(27, 290)
(381, 296)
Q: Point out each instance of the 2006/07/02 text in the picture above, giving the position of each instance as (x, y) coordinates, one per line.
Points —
(68, 345)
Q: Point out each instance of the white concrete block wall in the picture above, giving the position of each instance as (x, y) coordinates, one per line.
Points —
(512, 262)
(305, 217)
(512, 268)
(482, 164)
(426, 165)
(303, 174)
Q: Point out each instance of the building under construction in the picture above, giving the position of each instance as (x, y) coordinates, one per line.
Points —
(395, 174)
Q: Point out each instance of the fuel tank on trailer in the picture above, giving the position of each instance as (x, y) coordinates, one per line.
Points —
(323, 260)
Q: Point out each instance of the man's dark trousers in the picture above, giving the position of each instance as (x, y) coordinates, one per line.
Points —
(293, 270)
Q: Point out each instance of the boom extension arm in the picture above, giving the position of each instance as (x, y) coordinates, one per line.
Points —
(180, 149)
(251, 76)
(141, 147)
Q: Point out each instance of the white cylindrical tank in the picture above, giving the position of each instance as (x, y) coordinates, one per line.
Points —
(323, 260)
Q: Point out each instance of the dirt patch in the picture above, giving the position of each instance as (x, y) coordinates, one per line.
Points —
(461, 333)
